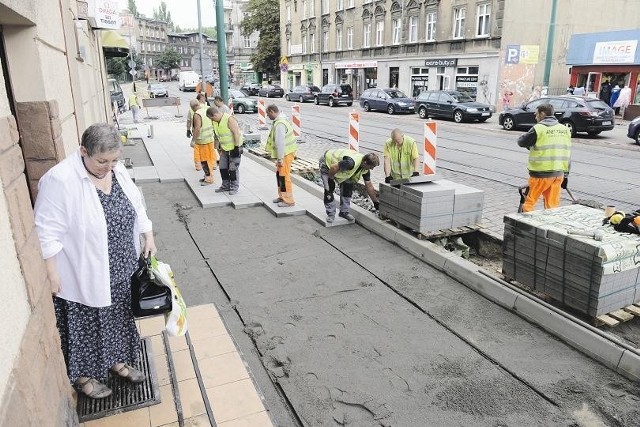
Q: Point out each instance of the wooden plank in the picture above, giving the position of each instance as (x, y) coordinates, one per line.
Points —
(635, 310)
(621, 315)
(606, 320)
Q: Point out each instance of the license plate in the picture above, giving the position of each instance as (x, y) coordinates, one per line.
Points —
(607, 123)
(485, 114)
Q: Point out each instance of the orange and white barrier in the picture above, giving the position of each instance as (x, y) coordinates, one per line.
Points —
(430, 146)
(230, 105)
(262, 114)
(354, 131)
(295, 120)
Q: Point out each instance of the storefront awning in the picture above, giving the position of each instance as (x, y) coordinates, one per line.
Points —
(113, 44)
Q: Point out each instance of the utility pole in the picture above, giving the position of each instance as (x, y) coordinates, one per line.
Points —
(203, 83)
(222, 50)
(551, 34)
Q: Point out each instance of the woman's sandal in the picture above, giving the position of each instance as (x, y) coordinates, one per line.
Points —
(133, 375)
(97, 390)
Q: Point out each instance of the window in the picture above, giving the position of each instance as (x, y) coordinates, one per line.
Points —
(351, 3)
(379, 33)
(304, 44)
(397, 29)
(458, 22)
(325, 41)
(312, 43)
(288, 46)
(247, 41)
(350, 38)
(484, 13)
(288, 13)
(339, 5)
(304, 9)
(413, 29)
(366, 39)
(367, 1)
(339, 39)
(431, 26)
(324, 6)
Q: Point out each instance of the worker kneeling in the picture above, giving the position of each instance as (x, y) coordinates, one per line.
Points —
(401, 159)
(549, 145)
(346, 167)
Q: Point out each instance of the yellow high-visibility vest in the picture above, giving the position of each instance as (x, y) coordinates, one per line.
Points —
(290, 145)
(400, 157)
(354, 174)
(206, 128)
(552, 149)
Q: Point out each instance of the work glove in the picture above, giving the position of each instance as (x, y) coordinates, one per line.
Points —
(415, 174)
(328, 196)
(387, 179)
(188, 133)
(376, 205)
(235, 152)
(193, 143)
(565, 182)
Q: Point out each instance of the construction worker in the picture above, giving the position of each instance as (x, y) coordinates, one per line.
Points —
(281, 145)
(208, 88)
(134, 106)
(196, 156)
(549, 145)
(202, 141)
(401, 159)
(345, 167)
(227, 132)
(219, 103)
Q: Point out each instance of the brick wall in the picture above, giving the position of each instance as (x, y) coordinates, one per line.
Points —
(38, 390)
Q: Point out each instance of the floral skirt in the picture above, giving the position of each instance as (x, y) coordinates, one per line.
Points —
(94, 339)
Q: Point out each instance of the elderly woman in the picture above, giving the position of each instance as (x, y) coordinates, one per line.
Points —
(89, 217)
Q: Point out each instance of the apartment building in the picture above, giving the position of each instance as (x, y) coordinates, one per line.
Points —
(240, 48)
(481, 47)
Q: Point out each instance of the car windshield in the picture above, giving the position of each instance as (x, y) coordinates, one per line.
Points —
(156, 87)
(597, 104)
(237, 94)
(395, 94)
(460, 97)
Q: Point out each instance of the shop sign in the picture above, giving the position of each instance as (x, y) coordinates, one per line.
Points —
(522, 54)
(466, 81)
(359, 64)
(104, 14)
(616, 52)
(419, 78)
(296, 67)
(445, 62)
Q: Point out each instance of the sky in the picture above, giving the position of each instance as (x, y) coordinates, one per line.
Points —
(183, 12)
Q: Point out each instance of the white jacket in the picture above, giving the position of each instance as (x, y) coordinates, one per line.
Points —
(72, 227)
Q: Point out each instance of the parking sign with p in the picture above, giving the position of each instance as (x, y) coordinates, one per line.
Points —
(513, 54)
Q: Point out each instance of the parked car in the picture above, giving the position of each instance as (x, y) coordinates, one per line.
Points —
(302, 93)
(251, 88)
(333, 94)
(188, 81)
(389, 100)
(451, 104)
(157, 91)
(634, 130)
(578, 113)
(271, 91)
(241, 102)
(115, 92)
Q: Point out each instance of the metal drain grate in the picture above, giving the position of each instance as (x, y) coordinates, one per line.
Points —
(126, 396)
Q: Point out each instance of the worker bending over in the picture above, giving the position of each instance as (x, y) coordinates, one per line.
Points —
(202, 140)
(196, 156)
(229, 139)
(281, 145)
(401, 159)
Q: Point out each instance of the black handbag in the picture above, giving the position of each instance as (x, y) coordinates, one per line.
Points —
(148, 296)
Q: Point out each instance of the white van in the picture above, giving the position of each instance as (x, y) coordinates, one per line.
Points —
(188, 81)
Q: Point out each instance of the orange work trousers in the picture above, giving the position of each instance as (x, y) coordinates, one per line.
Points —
(196, 158)
(548, 188)
(207, 155)
(283, 177)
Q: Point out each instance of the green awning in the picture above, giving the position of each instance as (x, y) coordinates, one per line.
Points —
(113, 44)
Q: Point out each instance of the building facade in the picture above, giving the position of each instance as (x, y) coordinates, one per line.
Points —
(52, 87)
(240, 48)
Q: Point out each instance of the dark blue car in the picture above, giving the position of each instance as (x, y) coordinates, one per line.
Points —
(389, 100)
(634, 130)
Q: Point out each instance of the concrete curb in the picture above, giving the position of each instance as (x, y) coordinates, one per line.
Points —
(616, 357)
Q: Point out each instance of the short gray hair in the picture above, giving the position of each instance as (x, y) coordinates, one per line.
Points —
(211, 111)
(100, 138)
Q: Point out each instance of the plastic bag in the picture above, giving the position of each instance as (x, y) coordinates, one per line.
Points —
(176, 319)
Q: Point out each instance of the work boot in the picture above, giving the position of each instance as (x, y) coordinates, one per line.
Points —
(232, 192)
(330, 219)
(347, 216)
(285, 205)
(221, 189)
(278, 200)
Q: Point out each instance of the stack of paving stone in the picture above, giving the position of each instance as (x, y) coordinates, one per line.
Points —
(591, 276)
(432, 206)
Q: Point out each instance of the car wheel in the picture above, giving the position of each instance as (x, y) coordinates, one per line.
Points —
(390, 109)
(457, 116)
(349, 104)
(287, 97)
(594, 132)
(637, 138)
(301, 100)
(316, 100)
(422, 112)
(241, 109)
(508, 123)
(331, 103)
(571, 126)
(366, 106)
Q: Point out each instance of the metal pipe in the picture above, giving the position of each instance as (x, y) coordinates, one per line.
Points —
(203, 83)
(222, 50)
(551, 35)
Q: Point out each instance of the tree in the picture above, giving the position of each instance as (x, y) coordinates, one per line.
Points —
(264, 16)
(117, 66)
(210, 31)
(161, 14)
(133, 8)
(169, 59)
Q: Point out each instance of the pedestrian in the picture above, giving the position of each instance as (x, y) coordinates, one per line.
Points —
(202, 141)
(615, 93)
(345, 167)
(229, 138)
(282, 146)
(219, 103)
(401, 159)
(605, 92)
(196, 156)
(579, 91)
(549, 145)
(89, 217)
(623, 101)
(134, 106)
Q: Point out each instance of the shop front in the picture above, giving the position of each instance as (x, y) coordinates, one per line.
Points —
(361, 75)
(606, 63)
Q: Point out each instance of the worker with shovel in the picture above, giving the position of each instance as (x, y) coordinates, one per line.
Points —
(549, 145)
